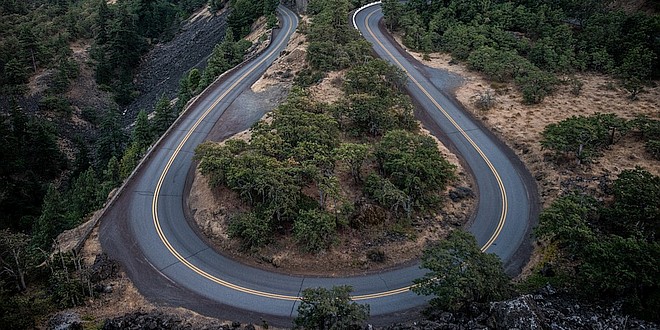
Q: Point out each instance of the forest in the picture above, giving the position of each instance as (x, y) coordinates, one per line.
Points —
(533, 42)
(45, 187)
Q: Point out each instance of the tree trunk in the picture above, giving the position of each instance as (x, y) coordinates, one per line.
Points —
(579, 154)
(21, 275)
(34, 63)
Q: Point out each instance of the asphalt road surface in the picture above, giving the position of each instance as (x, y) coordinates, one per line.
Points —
(508, 203)
(170, 264)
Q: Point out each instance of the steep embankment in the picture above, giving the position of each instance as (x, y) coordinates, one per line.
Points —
(164, 66)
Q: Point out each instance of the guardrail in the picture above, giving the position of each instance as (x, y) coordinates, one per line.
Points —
(96, 217)
(361, 9)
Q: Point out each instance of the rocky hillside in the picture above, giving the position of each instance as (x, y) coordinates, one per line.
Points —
(164, 66)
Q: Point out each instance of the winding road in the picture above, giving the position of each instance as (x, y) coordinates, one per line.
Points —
(146, 229)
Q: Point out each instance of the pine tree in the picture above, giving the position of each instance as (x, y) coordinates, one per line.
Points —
(164, 116)
(142, 134)
(52, 220)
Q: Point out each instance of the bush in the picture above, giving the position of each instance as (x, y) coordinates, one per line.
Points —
(331, 309)
(314, 230)
(251, 229)
(413, 164)
(653, 147)
(535, 85)
(387, 195)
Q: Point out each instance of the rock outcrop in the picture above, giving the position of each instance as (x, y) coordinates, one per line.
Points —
(545, 310)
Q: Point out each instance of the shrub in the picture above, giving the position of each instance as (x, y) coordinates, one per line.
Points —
(251, 229)
(314, 230)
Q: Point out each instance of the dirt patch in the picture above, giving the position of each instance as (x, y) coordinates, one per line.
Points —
(287, 66)
(329, 89)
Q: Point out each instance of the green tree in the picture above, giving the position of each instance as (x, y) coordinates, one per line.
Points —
(604, 251)
(130, 160)
(142, 133)
(111, 137)
(330, 309)
(376, 77)
(193, 79)
(392, 10)
(535, 84)
(83, 197)
(16, 76)
(111, 176)
(636, 207)
(314, 230)
(414, 165)
(567, 221)
(387, 194)
(252, 229)
(583, 137)
(164, 116)
(461, 274)
(354, 155)
(52, 220)
(31, 159)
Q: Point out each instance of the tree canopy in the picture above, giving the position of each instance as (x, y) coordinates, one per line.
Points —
(610, 250)
(528, 42)
(330, 309)
(460, 274)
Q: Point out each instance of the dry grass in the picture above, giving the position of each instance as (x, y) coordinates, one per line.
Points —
(520, 125)
(287, 66)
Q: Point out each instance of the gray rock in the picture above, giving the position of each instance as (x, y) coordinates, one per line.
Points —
(460, 193)
(65, 320)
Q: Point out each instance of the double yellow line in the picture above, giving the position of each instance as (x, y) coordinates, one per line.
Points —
(505, 204)
(201, 272)
(159, 185)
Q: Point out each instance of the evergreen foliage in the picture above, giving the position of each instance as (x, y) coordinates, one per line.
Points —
(528, 42)
(413, 164)
(584, 137)
(461, 274)
(334, 44)
(610, 250)
(30, 158)
(330, 309)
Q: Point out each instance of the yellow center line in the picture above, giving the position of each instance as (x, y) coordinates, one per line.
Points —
(154, 207)
(214, 279)
(503, 195)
